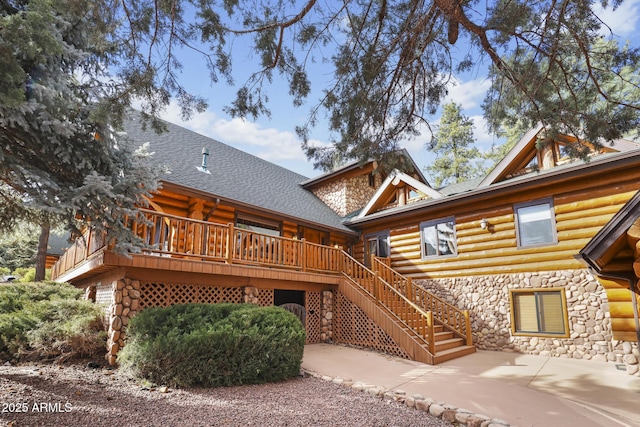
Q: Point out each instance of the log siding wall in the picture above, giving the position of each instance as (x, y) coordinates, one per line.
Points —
(579, 215)
(582, 206)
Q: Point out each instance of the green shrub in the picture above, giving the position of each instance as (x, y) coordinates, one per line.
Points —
(48, 320)
(25, 274)
(213, 345)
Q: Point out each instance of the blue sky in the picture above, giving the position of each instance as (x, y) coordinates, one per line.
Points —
(274, 138)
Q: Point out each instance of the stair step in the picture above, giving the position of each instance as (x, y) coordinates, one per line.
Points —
(448, 344)
(453, 353)
(441, 336)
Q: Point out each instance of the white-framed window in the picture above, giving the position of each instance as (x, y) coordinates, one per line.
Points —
(376, 244)
(539, 312)
(535, 223)
(438, 237)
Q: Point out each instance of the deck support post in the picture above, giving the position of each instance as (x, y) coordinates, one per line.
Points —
(467, 323)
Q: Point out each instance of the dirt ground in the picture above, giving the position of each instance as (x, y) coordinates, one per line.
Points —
(77, 395)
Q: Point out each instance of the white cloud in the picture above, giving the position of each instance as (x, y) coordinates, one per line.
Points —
(622, 21)
(484, 139)
(469, 94)
(269, 144)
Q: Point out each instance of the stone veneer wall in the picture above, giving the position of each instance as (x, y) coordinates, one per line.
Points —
(334, 195)
(487, 299)
(347, 195)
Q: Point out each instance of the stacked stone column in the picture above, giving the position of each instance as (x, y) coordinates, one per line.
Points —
(327, 316)
(250, 295)
(125, 305)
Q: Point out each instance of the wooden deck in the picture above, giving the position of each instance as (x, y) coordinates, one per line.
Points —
(176, 249)
(174, 246)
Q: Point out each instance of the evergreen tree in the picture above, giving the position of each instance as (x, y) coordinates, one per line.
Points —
(59, 155)
(512, 132)
(595, 101)
(457, 159)
(18, 247)
(69, 71)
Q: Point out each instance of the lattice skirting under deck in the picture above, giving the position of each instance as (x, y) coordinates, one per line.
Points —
(352, 326)
(165, 294)
(313, 307)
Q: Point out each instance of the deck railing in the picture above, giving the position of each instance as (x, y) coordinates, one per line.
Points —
(454, 319)
(389, 296)
(85, 246)
(174, 236)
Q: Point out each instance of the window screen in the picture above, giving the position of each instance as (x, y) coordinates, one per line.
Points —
(536, 224)
(539, 312)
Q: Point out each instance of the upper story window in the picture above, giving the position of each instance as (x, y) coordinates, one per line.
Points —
(259, 225)
(376, 244)
(438, 237)
(535, 223)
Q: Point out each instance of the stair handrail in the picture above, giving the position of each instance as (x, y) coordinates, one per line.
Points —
(405, 310)
(456, 320)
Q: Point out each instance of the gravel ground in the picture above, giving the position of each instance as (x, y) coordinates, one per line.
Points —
(75, 395)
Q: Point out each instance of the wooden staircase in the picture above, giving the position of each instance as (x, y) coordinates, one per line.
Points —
(428, 329)
(448, 346)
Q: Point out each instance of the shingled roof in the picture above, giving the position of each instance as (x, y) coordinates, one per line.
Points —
(234, 176)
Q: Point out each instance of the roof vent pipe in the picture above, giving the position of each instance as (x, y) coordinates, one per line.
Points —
(205, 157)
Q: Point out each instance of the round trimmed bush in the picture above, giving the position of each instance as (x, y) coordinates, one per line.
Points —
(213, 345)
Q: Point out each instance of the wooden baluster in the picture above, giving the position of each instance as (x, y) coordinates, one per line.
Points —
(430, 333)
(231, 244)
(376, 294)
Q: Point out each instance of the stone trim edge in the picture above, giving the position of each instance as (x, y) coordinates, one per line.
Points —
(455, 416)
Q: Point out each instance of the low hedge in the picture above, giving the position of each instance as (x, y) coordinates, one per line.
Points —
(211, 345)
(48, 321)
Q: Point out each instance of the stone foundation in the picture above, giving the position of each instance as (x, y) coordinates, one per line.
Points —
(487, 299)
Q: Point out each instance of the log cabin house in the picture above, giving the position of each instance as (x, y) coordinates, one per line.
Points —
(504, 247)
(375, 259)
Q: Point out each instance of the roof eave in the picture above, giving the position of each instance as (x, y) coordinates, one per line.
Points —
(613, 230)
(504, 187)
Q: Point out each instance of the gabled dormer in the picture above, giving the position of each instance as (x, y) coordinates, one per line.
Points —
(397, 190)
(351, 187)
(535, 152)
